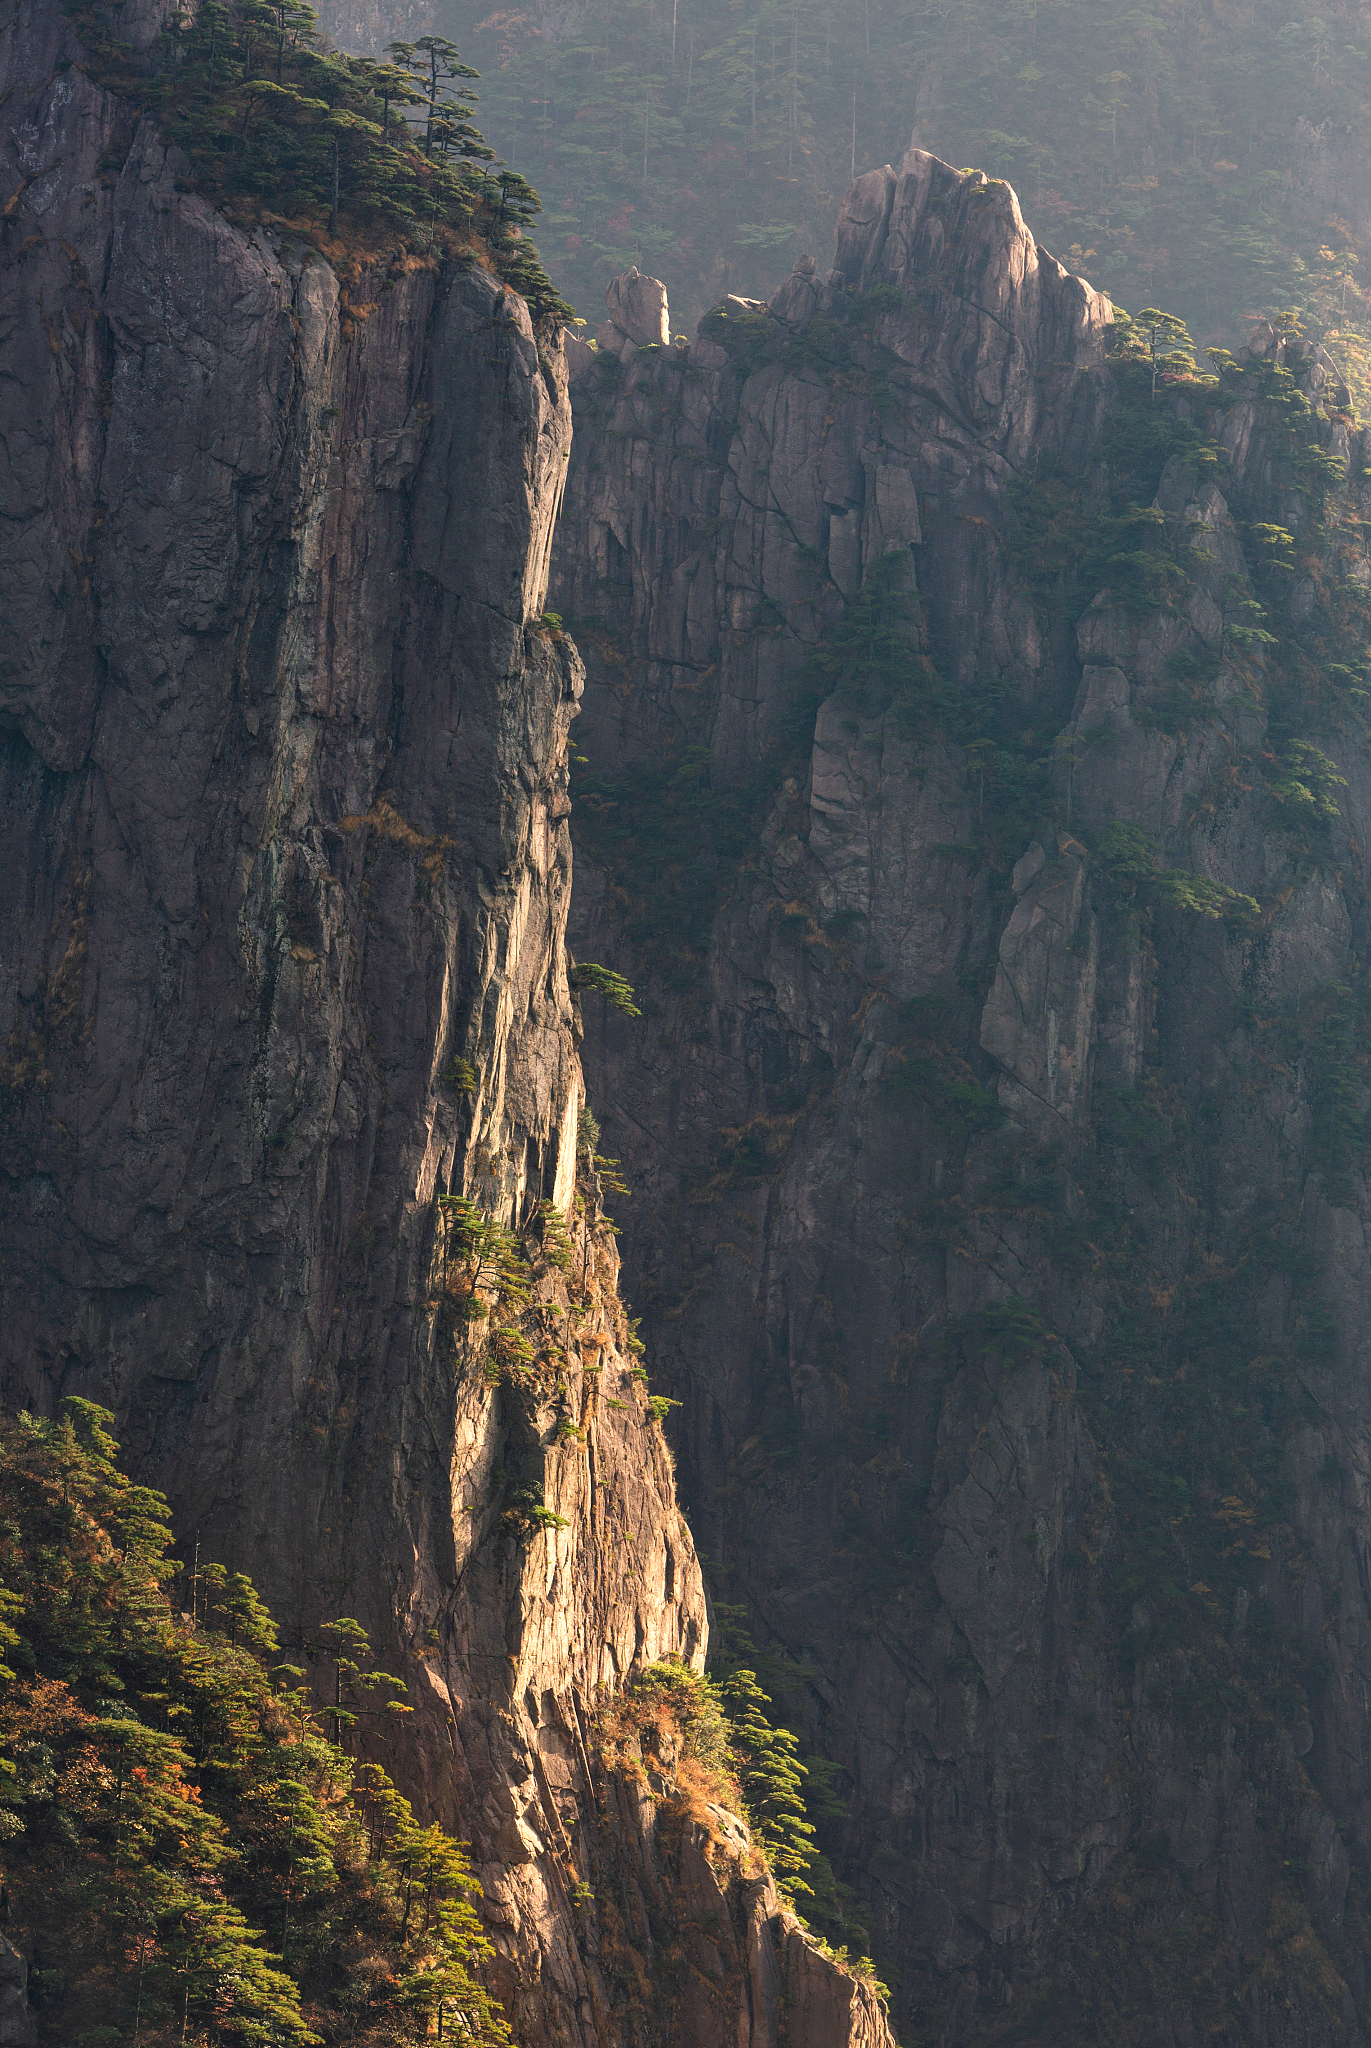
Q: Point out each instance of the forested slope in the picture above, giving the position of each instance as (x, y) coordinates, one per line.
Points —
(1209, 155)
(199, 1844)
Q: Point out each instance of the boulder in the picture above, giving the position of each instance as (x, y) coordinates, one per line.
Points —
(638, 309)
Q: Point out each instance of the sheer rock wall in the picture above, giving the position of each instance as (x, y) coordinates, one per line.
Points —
(284, 830)
(1049, 1834)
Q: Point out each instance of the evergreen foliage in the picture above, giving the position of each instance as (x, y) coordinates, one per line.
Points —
(1160, 340)
(753, 1762)
(346, 1644)
(587, 1133)
(512, 1299)
(772, 1779)
(188, 1857)
(485, 1282)
(481, 1257)
(672, 840)
(1197, 1383)
(832, 1911)
(605, 983)
(1130, 856)
(362, 158)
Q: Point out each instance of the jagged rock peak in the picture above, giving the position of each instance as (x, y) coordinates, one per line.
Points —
(960, 236)
(951, 419)
(987, 308)
(960, 230)
(990, 305)
(638, 318)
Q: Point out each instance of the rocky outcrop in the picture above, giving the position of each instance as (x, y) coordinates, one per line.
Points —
(990, 1212)
(282, 968)
(637, 314)
(17, 2028)
(756, 1976)
(991, 371)
(284, 763)
(368, 27)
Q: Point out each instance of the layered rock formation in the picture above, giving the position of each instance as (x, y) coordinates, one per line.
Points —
(284, 826)
(999, 1204)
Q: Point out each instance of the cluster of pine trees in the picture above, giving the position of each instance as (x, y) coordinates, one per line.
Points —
(710, 141)
(362, 155)
(188, 1851)
(738, 1755)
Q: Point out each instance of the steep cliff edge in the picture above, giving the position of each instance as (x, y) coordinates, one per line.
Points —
(284, 822)
(997, 1115)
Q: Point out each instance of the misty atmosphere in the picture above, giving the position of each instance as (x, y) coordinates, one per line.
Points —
(685, 1024)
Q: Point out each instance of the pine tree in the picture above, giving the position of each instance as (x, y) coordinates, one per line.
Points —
(772, 1779)
(1161, 339)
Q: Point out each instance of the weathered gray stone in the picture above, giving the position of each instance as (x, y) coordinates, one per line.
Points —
(890, 1360)
(1039, 1019)
(637, 307)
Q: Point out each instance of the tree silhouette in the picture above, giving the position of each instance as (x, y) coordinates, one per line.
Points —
(772, 1777)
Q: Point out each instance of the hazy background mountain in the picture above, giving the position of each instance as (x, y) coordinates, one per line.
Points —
(1210, 155)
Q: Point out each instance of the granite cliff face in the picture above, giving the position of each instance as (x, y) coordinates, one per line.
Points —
(284, 830)
(999, 1203)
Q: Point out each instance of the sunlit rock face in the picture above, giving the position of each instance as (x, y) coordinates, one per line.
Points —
(282, 969)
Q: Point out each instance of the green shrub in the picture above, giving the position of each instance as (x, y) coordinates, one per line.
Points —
(1129, 856)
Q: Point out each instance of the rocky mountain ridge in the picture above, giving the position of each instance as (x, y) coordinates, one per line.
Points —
(996, 1117)
(283, 978)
